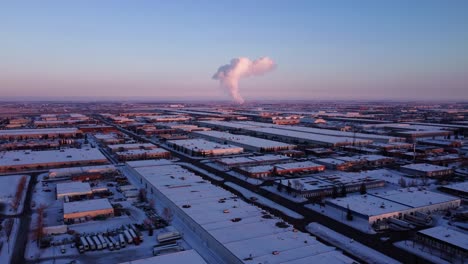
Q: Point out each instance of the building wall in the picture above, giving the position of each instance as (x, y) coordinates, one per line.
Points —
(209, 241)
(107, 212)
(7, 168)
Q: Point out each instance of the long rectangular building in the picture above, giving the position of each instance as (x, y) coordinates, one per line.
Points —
(233, 230)
(201, 147)
(246, 142)
(26, 160)
(87, 209)
(40, 133)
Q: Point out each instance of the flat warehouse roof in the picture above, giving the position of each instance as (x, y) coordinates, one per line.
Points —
(16, 158)
(73, 188)
(425, 167)
(132, 146)
(214, 209)
(38, 131)
(369, 205)
(201, 144)
(416, 198)
(245, 140)
(298, 165)
(308, 136)
(447, 235)
(86, 206)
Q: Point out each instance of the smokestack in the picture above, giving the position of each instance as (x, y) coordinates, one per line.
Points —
(229, 74)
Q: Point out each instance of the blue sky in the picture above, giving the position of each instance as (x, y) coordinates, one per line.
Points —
(170, 49)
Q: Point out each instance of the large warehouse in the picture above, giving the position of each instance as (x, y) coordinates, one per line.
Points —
(40, 133)
(202, 147)
(220, 220)
(246, 142)
(394, 204)
(26, 160)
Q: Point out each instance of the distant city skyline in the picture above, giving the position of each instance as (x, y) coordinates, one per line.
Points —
(364, 50)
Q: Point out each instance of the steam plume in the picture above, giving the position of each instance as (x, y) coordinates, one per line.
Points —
(229, 74)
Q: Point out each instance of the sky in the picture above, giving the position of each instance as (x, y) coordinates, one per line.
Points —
(171, 49)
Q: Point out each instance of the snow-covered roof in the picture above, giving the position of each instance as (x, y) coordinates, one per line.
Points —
(253, 159)
(259, 168)
(244, 140)
(142, 151)
(60, 172)
(132, 146)
(147, 163)
(369, 205)
(38, 131)
(27, 157)
(462, 186)
(187, 256)
(214, 209)
(297, 165)
(86, 206)
(318, 138)
(330, 161)
(424, 167)
(413, 197)
(202, 144)
(447, 235)
(73, 188)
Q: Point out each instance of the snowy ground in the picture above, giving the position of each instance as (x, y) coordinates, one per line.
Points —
(357, 223)
(262, 200)
(349, 245)
(202, 171)
(274, 190)
(7, 246)
(419, 250)
(8, 187)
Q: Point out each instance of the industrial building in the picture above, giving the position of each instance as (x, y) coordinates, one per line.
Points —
(450, 244)
(73, 190)
(123, 147)
(27, 160)
(426, 170)
(74, 171)
(246, 142)
(377, 207)
(87, 209)
(252, 160)
(220, 220)
(42, 133)
(142, 154)
(321, 186)
(262, 171)
(203, 148)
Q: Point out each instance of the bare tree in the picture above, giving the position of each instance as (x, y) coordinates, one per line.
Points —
(19, 193)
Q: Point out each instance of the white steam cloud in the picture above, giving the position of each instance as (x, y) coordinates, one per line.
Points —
(229, 74)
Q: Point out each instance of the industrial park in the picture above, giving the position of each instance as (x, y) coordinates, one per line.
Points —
(213, 183)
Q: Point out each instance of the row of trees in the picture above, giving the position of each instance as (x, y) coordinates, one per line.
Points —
(19, 193)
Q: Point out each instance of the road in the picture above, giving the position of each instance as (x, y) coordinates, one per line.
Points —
(372, 241)
(25, 221)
